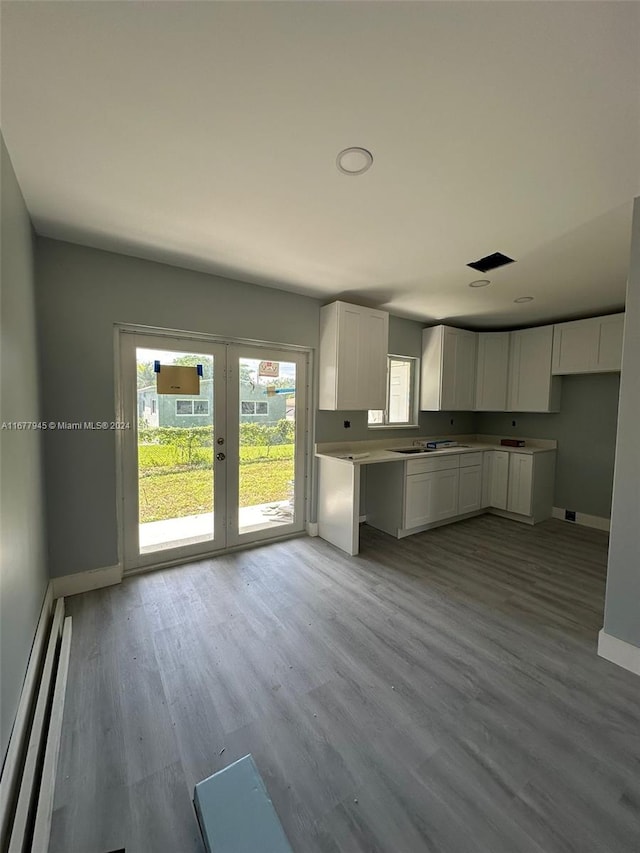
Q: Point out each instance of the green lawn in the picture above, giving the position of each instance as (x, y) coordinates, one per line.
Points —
(152, 457)
(171, 491)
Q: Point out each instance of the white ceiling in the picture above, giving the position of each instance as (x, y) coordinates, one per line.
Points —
(205, 135)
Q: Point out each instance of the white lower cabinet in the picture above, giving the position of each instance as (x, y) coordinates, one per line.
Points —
(520, 492)
(418, 500)
(430, 497)
(470, 489)
(445, 495)
(495, 480)
(406, 498)
(519, 484)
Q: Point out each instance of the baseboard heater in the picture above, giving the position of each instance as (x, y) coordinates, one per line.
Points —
(29, 771)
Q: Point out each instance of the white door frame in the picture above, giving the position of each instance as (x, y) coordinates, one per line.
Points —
(235, 352)
(126, 449)
(133, 559)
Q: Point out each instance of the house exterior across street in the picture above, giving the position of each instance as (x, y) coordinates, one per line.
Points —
(174, 410)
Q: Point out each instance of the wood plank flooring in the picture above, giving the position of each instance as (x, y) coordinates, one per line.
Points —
(441, 693)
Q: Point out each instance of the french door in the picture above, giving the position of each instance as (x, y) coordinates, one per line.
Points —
(219, 466)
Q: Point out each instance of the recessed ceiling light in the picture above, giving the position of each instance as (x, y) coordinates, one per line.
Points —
(524, 299)
(481, 282)
(354, 161)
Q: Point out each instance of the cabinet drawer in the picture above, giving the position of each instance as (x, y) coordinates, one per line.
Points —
(425, 466)
(469, 459)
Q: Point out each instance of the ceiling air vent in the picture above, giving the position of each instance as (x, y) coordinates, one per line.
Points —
(491, 262)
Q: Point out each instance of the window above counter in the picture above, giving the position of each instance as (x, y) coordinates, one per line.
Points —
(402, 395)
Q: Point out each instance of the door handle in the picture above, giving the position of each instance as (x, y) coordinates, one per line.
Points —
(220, 457)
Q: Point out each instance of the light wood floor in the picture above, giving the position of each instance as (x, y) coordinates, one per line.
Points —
(439, 693)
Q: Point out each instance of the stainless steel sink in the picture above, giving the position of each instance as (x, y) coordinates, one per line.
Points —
(426, 449)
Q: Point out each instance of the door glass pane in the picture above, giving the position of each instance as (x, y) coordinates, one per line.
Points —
(175, 455)
(267, 444)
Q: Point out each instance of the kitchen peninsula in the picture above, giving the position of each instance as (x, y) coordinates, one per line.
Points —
(409, 492)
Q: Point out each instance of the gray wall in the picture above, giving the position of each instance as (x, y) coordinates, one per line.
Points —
(82, 293)
(23, 573)
(622, 608)
(585, 429)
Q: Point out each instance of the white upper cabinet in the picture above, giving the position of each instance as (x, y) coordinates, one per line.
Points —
(532, 388)
(492, 371)
(448, 369)
(588, 346)
(354, 342)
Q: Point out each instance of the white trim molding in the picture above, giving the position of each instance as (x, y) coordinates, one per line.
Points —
(20, 732)
(619, 652)
(86, 581)
(584, 519)
(37, 737)
(312, 528)
(44, 812)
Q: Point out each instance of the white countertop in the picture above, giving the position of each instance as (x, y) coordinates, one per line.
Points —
(376, 451)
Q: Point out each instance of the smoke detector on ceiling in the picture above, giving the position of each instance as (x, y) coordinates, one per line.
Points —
(354, 161)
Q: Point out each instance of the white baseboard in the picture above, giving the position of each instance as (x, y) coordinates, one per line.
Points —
(619, 652)
(86, 581)
(312, 528)
(583, 518)
(19, 734)
(362, 519)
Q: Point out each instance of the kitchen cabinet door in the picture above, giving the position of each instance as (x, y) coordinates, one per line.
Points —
(430, 497)
(520, 491)
(495, 479)
(588, 346)
(373, 348)
(445, 494)
(609, 348)
(458, 370)
(465, 380)
(418, 500)
(532, 388)
(470, 489)
(492, 372)
(353, 357)
(448, 369)
(574, 346)
(349, 371)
